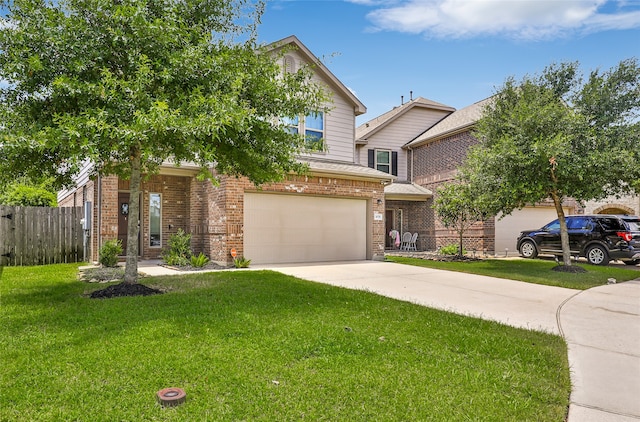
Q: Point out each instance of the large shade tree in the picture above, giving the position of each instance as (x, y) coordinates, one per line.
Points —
(128, 84)
(557, 136)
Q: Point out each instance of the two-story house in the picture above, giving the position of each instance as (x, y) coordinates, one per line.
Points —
(381, 145)
(334, 212)
(431, 141)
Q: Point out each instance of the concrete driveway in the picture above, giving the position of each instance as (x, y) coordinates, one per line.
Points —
(600, 325)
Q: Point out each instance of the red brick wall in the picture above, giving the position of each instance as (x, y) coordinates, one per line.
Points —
(416, 217)
(213, 215)
(436, 163)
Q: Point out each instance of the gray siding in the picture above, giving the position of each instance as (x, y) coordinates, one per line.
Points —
(399, 132)
(340, 123)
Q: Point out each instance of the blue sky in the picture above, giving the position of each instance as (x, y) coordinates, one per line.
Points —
(455, 52)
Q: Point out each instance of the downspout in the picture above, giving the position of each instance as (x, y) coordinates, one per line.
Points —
(99, 222)
(411, 162)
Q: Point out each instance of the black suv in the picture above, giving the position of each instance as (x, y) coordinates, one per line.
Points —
(599, 238)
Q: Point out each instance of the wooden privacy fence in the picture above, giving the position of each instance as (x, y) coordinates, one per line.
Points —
(40, 235)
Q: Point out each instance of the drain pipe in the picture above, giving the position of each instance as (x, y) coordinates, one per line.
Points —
(411, 162)
(98, 235)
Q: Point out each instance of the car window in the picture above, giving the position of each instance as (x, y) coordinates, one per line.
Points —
(554, 225)
(578, 223)
(610, 223)
(634, 224)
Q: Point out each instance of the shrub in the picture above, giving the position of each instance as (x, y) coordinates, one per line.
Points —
(199, 261)
(451, 249)
(241, 262)
(179, 249)
(28, 196)
(109, 252)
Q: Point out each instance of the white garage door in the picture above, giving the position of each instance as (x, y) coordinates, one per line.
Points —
(292, 228)
(508, 229)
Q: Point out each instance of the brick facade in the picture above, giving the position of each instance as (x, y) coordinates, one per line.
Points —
(414, 216)
(623, 205)
(436, 163)
(218, 211)
(213, 214)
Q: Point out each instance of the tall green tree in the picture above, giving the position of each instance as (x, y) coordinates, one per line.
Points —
(558, 136)
(129, 84)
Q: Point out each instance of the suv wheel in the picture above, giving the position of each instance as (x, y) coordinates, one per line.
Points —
(597, 255)
(528, 249)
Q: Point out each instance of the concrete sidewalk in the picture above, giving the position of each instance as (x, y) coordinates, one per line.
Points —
(601, 325)
(602, 328)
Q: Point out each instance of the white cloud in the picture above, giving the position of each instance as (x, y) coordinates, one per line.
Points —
(523, 19)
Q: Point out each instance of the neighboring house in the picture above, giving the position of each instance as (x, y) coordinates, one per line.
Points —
(380, 144)
(438, 152)
(431, 141)
(624, 205)
(335, 212)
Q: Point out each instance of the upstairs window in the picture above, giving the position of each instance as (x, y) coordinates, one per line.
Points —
(383, 160)
(293, 124)
(312, 126)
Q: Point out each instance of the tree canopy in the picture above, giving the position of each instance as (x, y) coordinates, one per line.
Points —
(555, 136)
(26, 194)
(130, 84)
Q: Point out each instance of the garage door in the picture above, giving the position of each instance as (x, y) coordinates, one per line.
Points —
(508, 229)
(293, 228)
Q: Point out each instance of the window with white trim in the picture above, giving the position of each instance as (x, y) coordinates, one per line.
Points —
(155, 220)
(312, 126)
(383, 160)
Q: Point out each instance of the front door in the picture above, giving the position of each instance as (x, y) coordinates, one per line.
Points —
(123, 220)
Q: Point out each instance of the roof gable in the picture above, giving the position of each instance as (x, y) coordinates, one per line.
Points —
(322, 70)
(458, 121)
(374, 125)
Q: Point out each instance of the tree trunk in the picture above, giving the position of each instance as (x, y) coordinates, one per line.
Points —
(564, 233)
(461, 232)
(133, 228)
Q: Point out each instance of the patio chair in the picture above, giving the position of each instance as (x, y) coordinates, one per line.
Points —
(406, 239)
(412, 242)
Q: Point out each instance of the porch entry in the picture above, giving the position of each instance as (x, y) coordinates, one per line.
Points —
(123, 221)
(392, 221)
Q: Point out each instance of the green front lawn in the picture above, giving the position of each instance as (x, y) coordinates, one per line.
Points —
(262, 346)
(529, 270)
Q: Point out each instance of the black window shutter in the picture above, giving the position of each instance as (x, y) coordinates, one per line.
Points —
(394, 163)
(371, 157)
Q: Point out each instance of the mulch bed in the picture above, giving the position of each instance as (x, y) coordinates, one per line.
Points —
(569, 269)
(209, 266)
(124, 289)
(434, 256)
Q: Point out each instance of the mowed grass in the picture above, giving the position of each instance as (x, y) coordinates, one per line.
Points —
(262, 346)
(529, 270)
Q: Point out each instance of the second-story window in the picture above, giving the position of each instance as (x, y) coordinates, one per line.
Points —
(312, 126)
(383, 160)
(293, 124)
